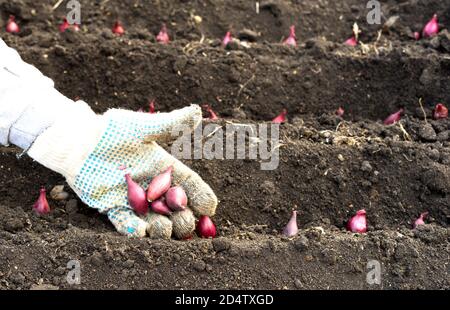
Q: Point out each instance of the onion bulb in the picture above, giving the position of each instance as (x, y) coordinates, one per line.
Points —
(227, 39)
(351, 41)
(420, 220)
(394, 117)
(151, 107)
(281, 118)
(212, 115)
(176, 198)
(41, 206)
(291, 40)
(340, 112)
(206, 227)
(64, 26)
(136, 196)
(159, 185)
(440, 111)
(159, 206)
(358, 223)
(11, 25)
(163, 36)
(118, 28)
(431, 28)
(291, 228)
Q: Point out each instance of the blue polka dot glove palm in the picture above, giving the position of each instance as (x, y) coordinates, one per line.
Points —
(91, 150)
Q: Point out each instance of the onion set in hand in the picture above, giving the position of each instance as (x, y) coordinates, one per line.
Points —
(168, 214)
(136, 196)
(159, 185)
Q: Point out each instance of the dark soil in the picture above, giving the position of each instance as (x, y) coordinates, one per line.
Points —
(329, 167)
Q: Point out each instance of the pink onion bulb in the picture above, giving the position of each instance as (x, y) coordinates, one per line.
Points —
(206, 227)
(358, 223)
(136, 196)
(159, 185)
(291, 228)
(176, 198)
(41, 206)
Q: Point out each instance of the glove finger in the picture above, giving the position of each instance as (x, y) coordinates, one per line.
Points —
(159, 226)
(127, 222)
(159, 126)
(201, 198)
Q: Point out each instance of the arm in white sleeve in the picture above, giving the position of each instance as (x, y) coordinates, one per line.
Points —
(28, 101)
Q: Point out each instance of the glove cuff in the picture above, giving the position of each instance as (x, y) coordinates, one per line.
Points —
(65, 145)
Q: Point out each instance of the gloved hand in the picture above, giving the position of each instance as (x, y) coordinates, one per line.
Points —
(88, 149)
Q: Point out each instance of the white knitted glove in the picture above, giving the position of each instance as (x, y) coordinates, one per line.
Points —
(88, 149)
